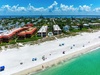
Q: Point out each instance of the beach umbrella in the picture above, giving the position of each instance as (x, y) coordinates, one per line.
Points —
(2, 68)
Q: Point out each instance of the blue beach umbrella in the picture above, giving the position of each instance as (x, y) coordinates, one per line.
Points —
(2, 68)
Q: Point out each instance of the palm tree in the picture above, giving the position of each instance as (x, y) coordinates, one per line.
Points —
(69, 22)
(81, 25)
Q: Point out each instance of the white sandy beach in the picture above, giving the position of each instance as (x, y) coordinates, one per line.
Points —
(11, 58)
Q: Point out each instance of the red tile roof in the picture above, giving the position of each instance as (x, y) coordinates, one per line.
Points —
(29, 31)
(29, 25)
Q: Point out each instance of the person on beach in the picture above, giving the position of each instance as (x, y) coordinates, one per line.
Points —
(71, 47)
(62, 44)
(73, 44)
(43, 58)
(42, 66)
(21, 63)
(63, 52)
(34, 59)
(83, 46)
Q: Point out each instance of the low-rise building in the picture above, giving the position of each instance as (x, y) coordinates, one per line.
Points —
(42, 31)
(94, 24)
(86, 25)
(56, 30)
(66, 28)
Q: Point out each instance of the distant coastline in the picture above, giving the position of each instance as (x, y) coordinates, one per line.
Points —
(50, 16)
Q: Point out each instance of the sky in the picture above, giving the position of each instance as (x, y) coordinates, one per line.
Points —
(49, 7)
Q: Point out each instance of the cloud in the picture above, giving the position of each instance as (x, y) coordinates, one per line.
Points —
(6, 7)
(53, 5)
(97, 9)
(54, 8)
(32, 8)
(85, 8)
(21, 9)
(68, 8)
(13, 8)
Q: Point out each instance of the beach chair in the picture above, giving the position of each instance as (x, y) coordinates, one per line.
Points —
(63, 44)
(2, 68)
(71, 47)
(60, 45)
(34, 59)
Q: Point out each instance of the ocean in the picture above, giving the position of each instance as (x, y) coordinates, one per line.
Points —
(87, 64)
(50, 16)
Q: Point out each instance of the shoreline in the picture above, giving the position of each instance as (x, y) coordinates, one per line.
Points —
(58, 60)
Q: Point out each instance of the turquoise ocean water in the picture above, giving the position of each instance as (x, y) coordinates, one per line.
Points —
(87, 64)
